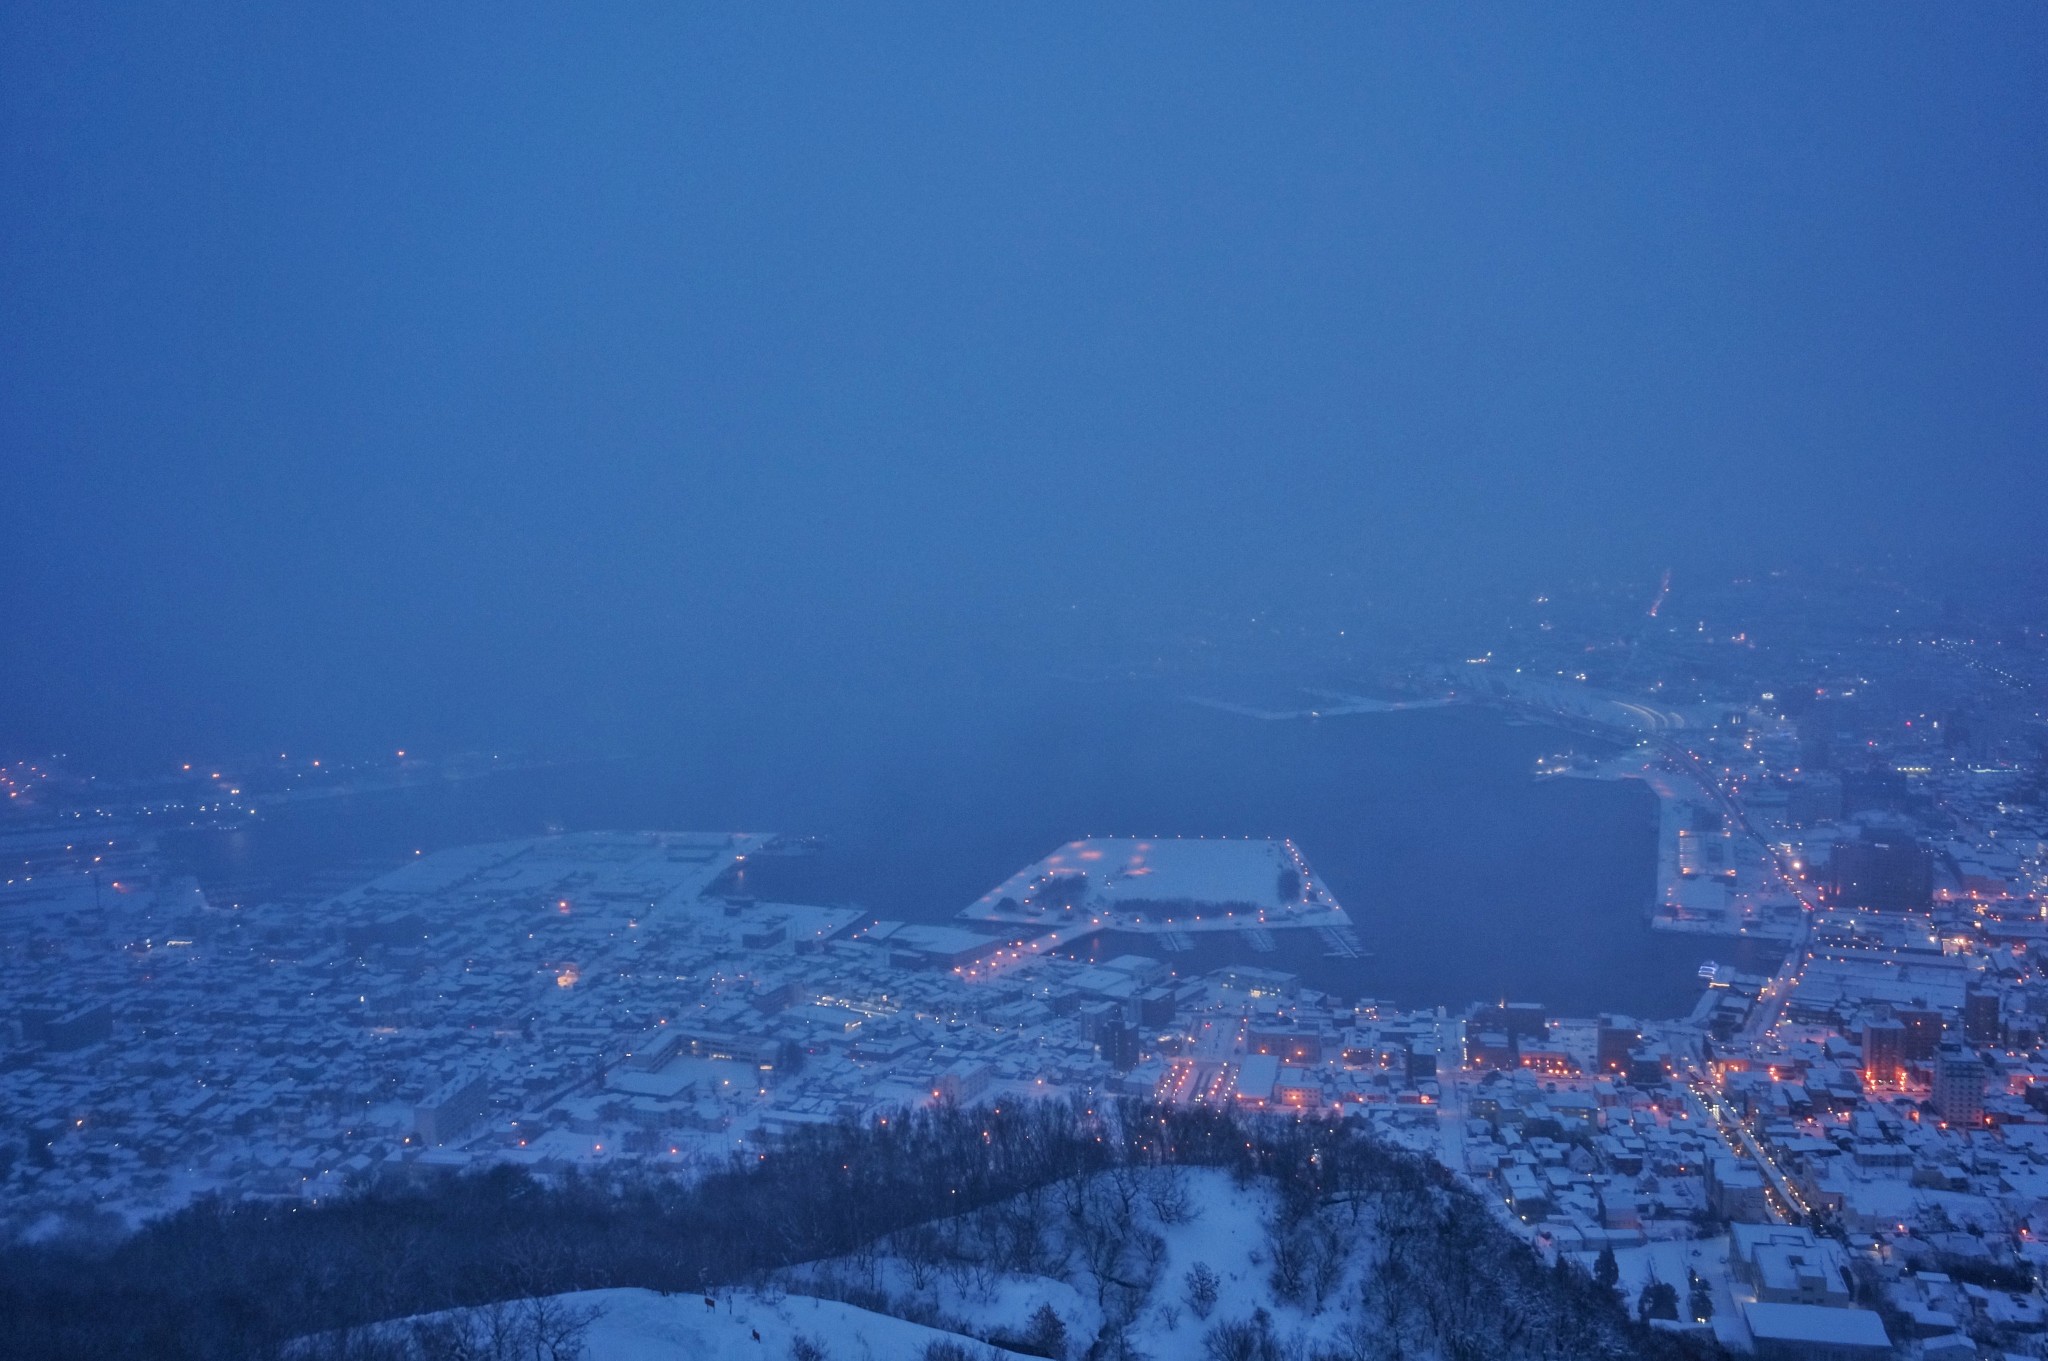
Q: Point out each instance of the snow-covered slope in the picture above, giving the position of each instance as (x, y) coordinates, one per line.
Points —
(1158, 1262)
(746, 1325)
(961, 1272)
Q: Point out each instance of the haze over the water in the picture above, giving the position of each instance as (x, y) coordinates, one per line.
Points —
(377, 375)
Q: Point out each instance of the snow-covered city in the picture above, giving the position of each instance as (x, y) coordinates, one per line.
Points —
(964, 683)
(1842, 1146)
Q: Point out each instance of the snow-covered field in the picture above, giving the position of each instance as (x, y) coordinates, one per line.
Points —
(1114, 1249)
(1187, 883)
(643, 1325)
(1135, 1261)
(1119, 1247)
(1673, 1261)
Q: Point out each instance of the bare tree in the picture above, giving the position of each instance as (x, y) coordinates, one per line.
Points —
(1169, 1197)
(1202, 1289)
(1288, 1247)
(1329, 1253)
(919, 1248)
(555, 1328)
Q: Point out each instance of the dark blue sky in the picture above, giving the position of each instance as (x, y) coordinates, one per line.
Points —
(369, 371)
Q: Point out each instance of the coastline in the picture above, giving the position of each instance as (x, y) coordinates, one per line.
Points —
(1732, 905)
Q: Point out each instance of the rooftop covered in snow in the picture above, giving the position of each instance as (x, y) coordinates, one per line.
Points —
(1165, 883)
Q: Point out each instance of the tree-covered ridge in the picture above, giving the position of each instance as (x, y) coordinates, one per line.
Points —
(241, 1280)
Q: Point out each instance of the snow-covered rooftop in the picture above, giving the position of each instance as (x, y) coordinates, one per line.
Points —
(1180, 881)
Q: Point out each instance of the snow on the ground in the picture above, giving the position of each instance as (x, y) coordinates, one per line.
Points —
(1241, 875)
(987, 1301)
(1226, 1230)
(1227, 1233)
(1668, 1260)
(643, 1325)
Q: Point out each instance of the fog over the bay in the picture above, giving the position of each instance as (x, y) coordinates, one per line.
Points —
(376, 375)
(1312, 682)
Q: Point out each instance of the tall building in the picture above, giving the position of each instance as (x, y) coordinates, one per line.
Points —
(1519, 1020)
(1107, 1026)
(1884, 1053)
(1812, 798)
(1980, 1016)
(1616, 1039)
(1923, 1030)
(1958, 1085)
(1892, 875)
(964, 1081)
(1646, 1068)
(451, 1110)
(1119, 1045)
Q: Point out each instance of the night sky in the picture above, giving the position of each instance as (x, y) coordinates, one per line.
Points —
(480, 374)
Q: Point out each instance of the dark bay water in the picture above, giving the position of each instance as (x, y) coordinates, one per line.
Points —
(1467, 878)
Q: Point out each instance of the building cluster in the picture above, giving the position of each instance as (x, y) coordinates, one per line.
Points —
(574, 1000)
(1847, 1132)
(1842, 1151)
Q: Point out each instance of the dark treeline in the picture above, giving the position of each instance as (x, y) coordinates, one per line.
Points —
(226, 1279)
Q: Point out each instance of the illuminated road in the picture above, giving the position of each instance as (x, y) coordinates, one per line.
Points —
(1784, 1199)
(1765, 1015)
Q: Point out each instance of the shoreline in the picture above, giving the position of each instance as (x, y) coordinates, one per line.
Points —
(1726, 905)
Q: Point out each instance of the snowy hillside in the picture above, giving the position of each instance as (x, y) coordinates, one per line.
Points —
(1156, 1263)
(1136, 1233)
(1126, 1249)
(643, 1325)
